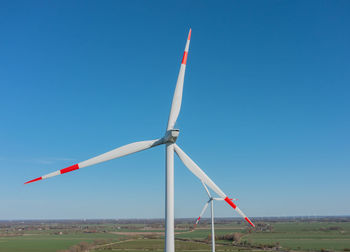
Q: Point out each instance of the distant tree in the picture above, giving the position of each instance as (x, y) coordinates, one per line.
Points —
(84, 246)
(237, 237)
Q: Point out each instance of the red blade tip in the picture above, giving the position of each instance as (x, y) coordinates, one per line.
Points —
(189, 34)
(251, 223)
(33, 180)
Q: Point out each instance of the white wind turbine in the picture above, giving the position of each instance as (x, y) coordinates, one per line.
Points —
(211, 202)
(169, 140)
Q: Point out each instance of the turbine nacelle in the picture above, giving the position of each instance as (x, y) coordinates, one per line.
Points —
(171, 136)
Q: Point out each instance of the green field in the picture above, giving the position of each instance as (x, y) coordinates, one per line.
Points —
(283, 236)
(47, 242)
(306, 236)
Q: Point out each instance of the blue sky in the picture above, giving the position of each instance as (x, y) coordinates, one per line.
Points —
(265, 110)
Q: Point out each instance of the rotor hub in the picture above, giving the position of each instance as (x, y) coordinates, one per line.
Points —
(171, 136)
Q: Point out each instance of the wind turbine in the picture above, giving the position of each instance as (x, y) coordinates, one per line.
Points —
(211, 202)
(169, 140)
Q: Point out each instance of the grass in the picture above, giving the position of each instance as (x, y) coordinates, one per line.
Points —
(47, 242)
(158, 245)
(305, 236)
(298, 236)
(203, 233)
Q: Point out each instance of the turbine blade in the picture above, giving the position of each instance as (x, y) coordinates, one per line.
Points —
(205, 187)
(201, 214)
(176, 104)
(116, 153)
(194, 168)
(239, 211)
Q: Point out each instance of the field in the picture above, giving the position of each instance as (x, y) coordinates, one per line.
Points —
(322, 234)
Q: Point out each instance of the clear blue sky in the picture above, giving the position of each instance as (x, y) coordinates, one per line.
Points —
(265, 109)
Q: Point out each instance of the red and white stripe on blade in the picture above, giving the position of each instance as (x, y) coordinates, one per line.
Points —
(176, 104)
(194, 168)
(203, 210)
(116, 153)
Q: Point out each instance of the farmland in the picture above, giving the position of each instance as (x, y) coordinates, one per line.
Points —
(271, 234)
